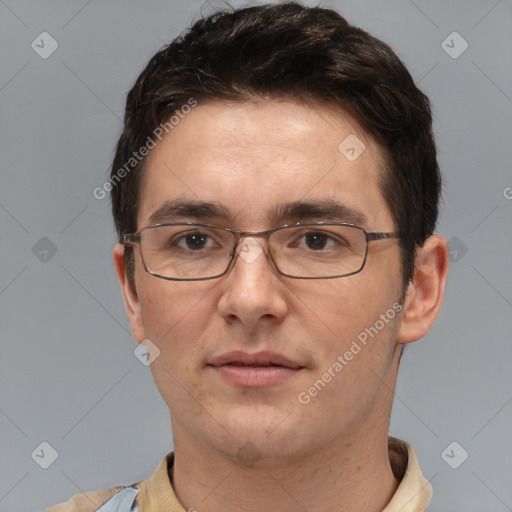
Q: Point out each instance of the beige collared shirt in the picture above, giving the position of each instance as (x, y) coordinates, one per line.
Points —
(157, 495)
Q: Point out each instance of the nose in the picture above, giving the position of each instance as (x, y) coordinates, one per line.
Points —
(253, 290)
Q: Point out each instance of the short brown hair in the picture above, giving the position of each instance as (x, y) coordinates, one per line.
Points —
(302, 53)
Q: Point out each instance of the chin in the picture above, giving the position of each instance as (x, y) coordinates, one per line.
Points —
(264, 438)
(270, 453)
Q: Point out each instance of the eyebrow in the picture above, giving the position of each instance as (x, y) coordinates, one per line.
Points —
(327, 209)
(178, 209)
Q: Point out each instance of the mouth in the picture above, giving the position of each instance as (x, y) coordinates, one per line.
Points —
(254, 370)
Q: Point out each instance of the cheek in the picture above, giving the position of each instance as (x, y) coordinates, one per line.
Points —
(162, 302)
(340, 309)
(338, 313)
(175, 316)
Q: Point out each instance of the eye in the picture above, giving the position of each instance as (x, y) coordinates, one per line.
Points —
(194, 241)
(318, 241)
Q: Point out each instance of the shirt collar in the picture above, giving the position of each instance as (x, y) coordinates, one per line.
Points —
(414, 491)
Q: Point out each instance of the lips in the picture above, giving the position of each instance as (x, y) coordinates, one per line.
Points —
(262, 369)
(260, 359)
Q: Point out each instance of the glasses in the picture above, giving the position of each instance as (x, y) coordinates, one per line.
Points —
(194, 252)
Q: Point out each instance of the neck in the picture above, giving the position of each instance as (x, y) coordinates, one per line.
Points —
(353, 475)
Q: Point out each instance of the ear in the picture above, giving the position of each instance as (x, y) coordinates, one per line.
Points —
(131, 301)
(425, 292)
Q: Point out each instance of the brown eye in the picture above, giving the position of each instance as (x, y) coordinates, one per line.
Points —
(316, 241)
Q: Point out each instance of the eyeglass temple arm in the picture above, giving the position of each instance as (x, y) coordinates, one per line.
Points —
(132, 238)
(380, 236)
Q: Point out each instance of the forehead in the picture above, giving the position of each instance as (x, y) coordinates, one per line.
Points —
(253, 158)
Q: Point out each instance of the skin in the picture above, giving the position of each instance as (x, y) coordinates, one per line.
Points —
(261, 449)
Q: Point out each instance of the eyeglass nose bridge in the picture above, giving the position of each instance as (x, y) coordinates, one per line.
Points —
(248, 248)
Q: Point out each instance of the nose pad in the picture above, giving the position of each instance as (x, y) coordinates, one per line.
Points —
(249, 250)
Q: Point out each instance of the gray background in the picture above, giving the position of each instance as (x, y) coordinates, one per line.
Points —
(68, 375)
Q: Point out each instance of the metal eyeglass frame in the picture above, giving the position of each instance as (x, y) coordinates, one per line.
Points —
(131, 239)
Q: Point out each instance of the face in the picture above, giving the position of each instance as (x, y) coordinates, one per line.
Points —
(251, 160)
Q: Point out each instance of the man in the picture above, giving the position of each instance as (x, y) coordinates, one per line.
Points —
(275, 192)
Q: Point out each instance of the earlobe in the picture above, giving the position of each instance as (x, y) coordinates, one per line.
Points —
(425, 292)
(131, 300)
